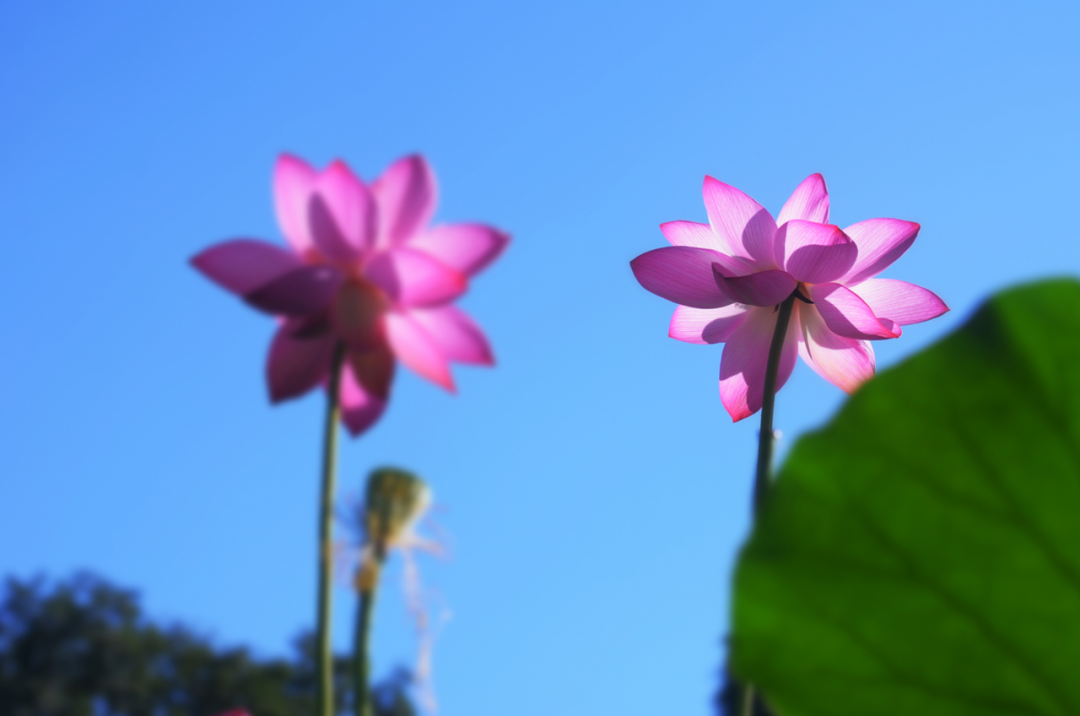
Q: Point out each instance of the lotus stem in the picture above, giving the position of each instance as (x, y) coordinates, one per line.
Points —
(324, 656)
(367, 582)
(763, 478)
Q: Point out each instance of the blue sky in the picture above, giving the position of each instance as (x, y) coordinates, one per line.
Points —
(592, 489)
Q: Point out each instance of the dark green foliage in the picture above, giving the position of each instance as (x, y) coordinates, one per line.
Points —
(921, 554)
(83, 648)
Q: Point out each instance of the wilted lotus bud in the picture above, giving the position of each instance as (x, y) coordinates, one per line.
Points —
(394, 502)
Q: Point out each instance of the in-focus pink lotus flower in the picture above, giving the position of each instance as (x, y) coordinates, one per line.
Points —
(729, 276)
(365, 269)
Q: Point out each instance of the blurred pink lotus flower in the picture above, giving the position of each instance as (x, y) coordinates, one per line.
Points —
(730, 274)
(363, 268)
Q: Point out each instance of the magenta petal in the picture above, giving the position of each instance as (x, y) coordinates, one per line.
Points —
(243, 265)
(413, 278)
(416, 348)
(682, 274)
(300, 292)
(456, 335)
(294, 183)
(814, 253)
(296, 365)
(342, 214)
(845, 362)
(468, 248)
(901, 301)
(406, 194)
(744, 228)
(360, 409)
(764, 288)
(705, 325)
(880, 242)
(691, 233)
(846, 314)
(809, 201)
(742, 367)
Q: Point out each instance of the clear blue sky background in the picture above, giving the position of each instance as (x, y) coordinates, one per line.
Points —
(593, 489)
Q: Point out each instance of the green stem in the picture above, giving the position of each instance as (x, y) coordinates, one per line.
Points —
(324, 656)
(362, 702)
(763, 476)
(765, 440)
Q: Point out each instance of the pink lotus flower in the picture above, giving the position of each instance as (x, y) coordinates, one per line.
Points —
(730, 274)
(364, 269)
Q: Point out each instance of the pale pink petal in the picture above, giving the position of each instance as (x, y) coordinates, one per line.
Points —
(845, 362)
(764, 288)
(682, 274)
(342, 214)
(416, 348)
(848, 315)
(302, 291)
(706, 325)
(744, 229)
(809, 201)
(901, 301)
(814, 253)
(406, 195)
(359, 408)
(297, 364)
(746, 353)
(691, 233)
(413, 278)
(469, 248)
(880, 242)
(294, 182)
(457, 336)
(243, 265)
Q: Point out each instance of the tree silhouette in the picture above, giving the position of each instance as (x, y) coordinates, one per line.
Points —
(84, 648)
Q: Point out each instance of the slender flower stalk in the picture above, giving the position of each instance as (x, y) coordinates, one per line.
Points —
(324, 665)
(367, 584)
(766, 441)
(763, 475)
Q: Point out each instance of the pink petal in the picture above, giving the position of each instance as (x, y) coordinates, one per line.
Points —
(294, 182)
(359, 408)
(456, 335)
(814, 253)
(302, 291)
(297, 364)
(356, 314)
(846, 314)
(343, 215)
(764, 288)
(243, 265)
(844, 362)
(691, 233)
(416, 348)
(706, 325)
(880, 242)
(743, 227)
(809, 201)
(682, 274)
(742, 367)
(901, 301)
(413, 278)
(468, 248)
(406, 195)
